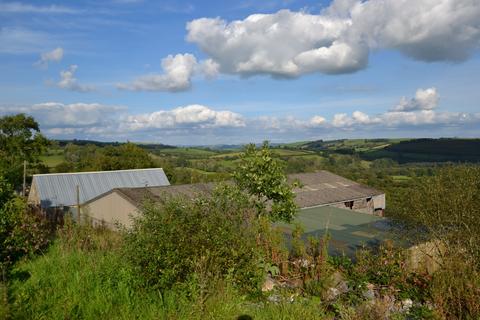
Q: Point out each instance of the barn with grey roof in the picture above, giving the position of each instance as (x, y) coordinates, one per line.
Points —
(60, 189)
(316, 189)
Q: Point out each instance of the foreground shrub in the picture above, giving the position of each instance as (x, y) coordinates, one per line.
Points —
(445, 208)
(455, 289)
(22, 232)
(194, 243)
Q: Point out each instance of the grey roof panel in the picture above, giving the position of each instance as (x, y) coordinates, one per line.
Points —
(60, 189)
(318, 189)
(323, 187)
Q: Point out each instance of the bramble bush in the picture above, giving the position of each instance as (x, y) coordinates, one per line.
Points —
(22, 232)
(195, 243)
(445, 209)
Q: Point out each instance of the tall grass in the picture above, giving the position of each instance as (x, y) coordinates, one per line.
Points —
(83, 276)
(4, 306)
(79, 284)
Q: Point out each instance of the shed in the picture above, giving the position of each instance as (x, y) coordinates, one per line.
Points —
(60, 189)
(317, 189)
(324, 188)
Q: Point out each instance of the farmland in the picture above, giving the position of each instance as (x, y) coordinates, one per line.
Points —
(84, 272)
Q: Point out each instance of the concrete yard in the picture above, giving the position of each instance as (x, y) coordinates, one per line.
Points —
(348, 229)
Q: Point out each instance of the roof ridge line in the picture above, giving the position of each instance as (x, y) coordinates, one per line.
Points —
(90, 172)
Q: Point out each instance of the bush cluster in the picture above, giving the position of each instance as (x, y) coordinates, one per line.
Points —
(22, 231)
(445, 208)
(195, 243)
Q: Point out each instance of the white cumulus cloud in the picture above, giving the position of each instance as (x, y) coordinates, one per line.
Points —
(318, 121)
(69, 82)
(339, 39)
(177, 74)
(417, 111)
(425, 99)
(56, 55)
(185, 117)
(283, 44)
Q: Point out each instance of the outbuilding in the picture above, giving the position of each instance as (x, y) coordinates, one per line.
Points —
(316, 189)
(65, 191)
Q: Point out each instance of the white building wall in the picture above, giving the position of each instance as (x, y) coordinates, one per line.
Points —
(110, 209)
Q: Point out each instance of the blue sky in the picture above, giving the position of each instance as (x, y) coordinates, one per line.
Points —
(209, 72)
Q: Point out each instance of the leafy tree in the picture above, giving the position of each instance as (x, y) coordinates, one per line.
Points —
(20, 139)
(80, 157)
(125, 156)
(91, 158)
(6, 191)
(262, 176)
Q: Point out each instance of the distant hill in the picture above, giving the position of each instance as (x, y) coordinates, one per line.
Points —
(430, 150)
(148, 146)
(401, 150)
(347, 146)
(63, 143)
(222, 146)
(444, 146)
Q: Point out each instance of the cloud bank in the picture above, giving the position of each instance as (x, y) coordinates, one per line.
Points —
(200, 124)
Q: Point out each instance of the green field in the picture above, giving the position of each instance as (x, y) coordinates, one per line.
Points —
(186, 152)
(52, 160)
(350, 145)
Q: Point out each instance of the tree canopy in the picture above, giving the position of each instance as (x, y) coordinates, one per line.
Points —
(20, 140)
(263, 177)
(93, 158)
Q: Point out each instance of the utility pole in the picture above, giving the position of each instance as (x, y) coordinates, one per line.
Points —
(78, 204)
(24, 177)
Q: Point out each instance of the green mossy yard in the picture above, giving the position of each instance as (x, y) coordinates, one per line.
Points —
(348, 230)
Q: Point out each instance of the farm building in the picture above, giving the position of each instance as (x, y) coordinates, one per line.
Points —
(324, 188)
(317, 190)
(59, 190)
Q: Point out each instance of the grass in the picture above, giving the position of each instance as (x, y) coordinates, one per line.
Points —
(225, 155)
(98, 284)
(4, 307)
(286, 152)
(401, 178)
(52, 160)
(187, 152)
(79, 284)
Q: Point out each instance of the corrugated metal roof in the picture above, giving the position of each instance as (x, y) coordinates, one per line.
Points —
(318, 188)
(323, 187)
(60, 189)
